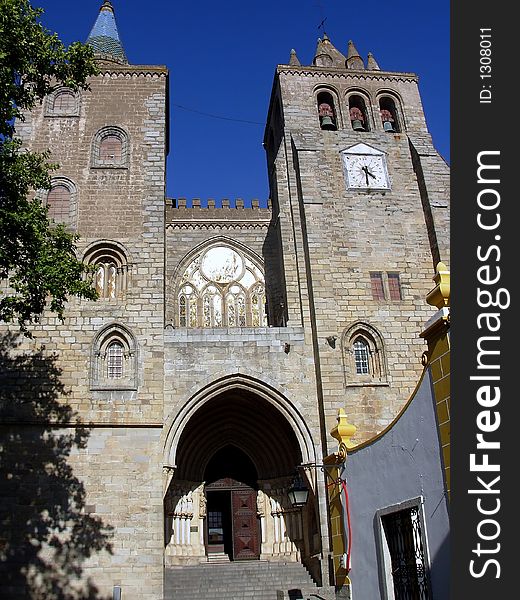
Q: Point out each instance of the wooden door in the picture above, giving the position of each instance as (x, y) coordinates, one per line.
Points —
(245, 524)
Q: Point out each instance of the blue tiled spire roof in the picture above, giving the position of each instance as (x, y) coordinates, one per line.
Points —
(104, 37)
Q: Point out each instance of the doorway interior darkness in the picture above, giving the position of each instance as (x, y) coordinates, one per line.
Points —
(232, 523)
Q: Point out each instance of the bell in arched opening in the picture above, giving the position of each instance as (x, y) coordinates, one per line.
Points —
(358, 113)
(357, 118)
(388, 120)
(326, 112)
(388, 114)
(326, 115)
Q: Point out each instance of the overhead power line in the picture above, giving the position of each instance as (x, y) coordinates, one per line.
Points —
(200, 112)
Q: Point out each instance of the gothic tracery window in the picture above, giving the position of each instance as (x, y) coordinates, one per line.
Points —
(114, 359)
(111, 269)
(221, 287)
(364, 357)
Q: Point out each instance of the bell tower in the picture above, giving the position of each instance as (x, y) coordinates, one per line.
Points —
(360, 214)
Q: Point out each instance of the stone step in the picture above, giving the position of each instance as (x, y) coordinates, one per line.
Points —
(284, 574)
(258, 580)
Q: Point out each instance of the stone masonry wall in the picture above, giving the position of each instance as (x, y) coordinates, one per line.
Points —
(123, 205)
(120, 464)
(333, 238)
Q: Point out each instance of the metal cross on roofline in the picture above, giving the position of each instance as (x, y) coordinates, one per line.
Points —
(322, 25)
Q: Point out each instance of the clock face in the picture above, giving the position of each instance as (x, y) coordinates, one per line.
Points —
(366, 172)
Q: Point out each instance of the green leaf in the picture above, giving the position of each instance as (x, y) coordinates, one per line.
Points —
(39, 267)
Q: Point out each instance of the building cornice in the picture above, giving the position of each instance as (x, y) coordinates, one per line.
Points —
(219, 224)
(346, 73)
(114, 69)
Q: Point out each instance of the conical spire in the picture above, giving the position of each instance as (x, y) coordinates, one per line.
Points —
(327, 55)
(104, 37)
(354, 60)
(294, 60)
(372, 63)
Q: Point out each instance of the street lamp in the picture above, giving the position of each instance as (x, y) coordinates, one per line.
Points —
(298, 492)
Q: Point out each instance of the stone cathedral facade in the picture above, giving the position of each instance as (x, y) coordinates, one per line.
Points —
(226, 339)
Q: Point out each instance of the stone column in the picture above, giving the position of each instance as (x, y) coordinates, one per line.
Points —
(185, 507)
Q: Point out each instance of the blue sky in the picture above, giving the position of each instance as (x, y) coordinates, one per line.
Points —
(222, 58)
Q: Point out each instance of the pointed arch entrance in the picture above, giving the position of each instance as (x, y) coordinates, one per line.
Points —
(235, 448)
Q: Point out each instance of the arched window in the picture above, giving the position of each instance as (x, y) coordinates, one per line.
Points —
(358, 113)
(114, 359)
(389, 117)
(63, 102)
(236, 307)
(363, 354)
(61, 202)
(111, 269)
(221, 287)
(212, 309)
(105, 278)
(110, 148)
(188, 307)
(258, 302)
(326, 111)
(58, 203)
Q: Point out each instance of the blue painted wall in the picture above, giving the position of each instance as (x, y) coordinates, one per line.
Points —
(403, 464)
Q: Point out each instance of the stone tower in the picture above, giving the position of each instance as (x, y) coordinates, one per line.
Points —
(360, 208)
(110, 143)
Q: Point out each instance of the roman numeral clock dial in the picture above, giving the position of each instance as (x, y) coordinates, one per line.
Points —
(365, 168)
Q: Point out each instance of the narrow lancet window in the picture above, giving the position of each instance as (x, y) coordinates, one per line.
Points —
(115, 360)
(361, 356)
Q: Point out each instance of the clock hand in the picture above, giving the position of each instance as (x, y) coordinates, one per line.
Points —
(365, 169)
(369, 173)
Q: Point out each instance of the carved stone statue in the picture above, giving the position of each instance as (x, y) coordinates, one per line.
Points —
(202, 504)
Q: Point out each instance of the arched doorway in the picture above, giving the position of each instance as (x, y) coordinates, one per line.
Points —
(236, 455)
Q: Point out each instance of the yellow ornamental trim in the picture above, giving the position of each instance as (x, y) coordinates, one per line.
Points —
(440, 295)
(342, 432)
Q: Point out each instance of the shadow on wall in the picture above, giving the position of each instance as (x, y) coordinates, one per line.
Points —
(45, 533)
(440, 566)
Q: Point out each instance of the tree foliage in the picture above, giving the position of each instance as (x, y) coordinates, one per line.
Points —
(38, 263)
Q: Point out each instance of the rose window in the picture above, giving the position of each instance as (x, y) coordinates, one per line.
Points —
(221, 288)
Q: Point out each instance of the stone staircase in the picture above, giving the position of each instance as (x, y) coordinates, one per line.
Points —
(248, 580)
